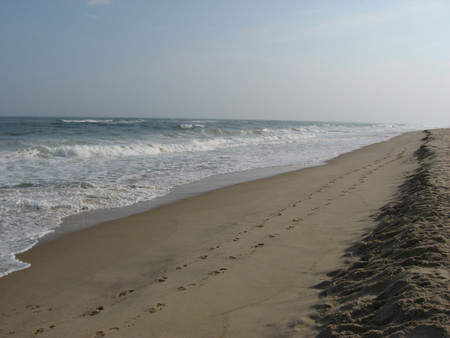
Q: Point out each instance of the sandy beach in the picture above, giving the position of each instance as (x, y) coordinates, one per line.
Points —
(359, 246)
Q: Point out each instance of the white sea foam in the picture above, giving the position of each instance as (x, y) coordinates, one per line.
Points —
(143, 149)
(104, 121)
(190, 126)
(87, 121)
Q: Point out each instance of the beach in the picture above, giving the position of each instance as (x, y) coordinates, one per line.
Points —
(267, 258)
(54, 167)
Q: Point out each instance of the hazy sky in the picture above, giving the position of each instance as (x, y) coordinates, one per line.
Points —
(346, 60)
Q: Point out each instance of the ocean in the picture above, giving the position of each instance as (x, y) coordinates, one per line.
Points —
(52, 168)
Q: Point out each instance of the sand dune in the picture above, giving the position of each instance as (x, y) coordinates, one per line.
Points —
(399, 285)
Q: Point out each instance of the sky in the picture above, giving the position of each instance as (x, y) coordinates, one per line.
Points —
(323, 60)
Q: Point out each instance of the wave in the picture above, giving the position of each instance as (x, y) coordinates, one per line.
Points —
(109, 121)
(153, 149)
(205, 140)
(190, 126)
(86, 121)
(85, 151)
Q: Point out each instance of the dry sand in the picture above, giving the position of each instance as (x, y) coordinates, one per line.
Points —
(241, 261)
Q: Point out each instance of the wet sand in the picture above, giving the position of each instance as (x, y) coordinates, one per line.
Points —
(241, 261)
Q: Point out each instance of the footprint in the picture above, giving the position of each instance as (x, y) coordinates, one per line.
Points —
(259, 245)
(124, 293)
(34, 308)
(41, 330)
(203, 257)
(216, 272)
(231, 257)
(181, 288)
(156, 308)
(290, 227)
(162, 279)
(94, 312)
(213, 273)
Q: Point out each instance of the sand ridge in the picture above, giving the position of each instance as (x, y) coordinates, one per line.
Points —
(399, 286)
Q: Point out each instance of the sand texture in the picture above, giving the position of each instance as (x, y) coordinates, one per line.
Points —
(256, 259)
(399, 285)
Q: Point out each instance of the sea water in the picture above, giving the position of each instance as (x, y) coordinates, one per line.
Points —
(51, 168)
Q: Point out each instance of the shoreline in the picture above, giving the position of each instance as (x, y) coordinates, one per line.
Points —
(83, 220)
(238, 261)
(64, 176)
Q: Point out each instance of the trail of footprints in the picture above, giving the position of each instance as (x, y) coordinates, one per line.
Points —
(259, 233)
